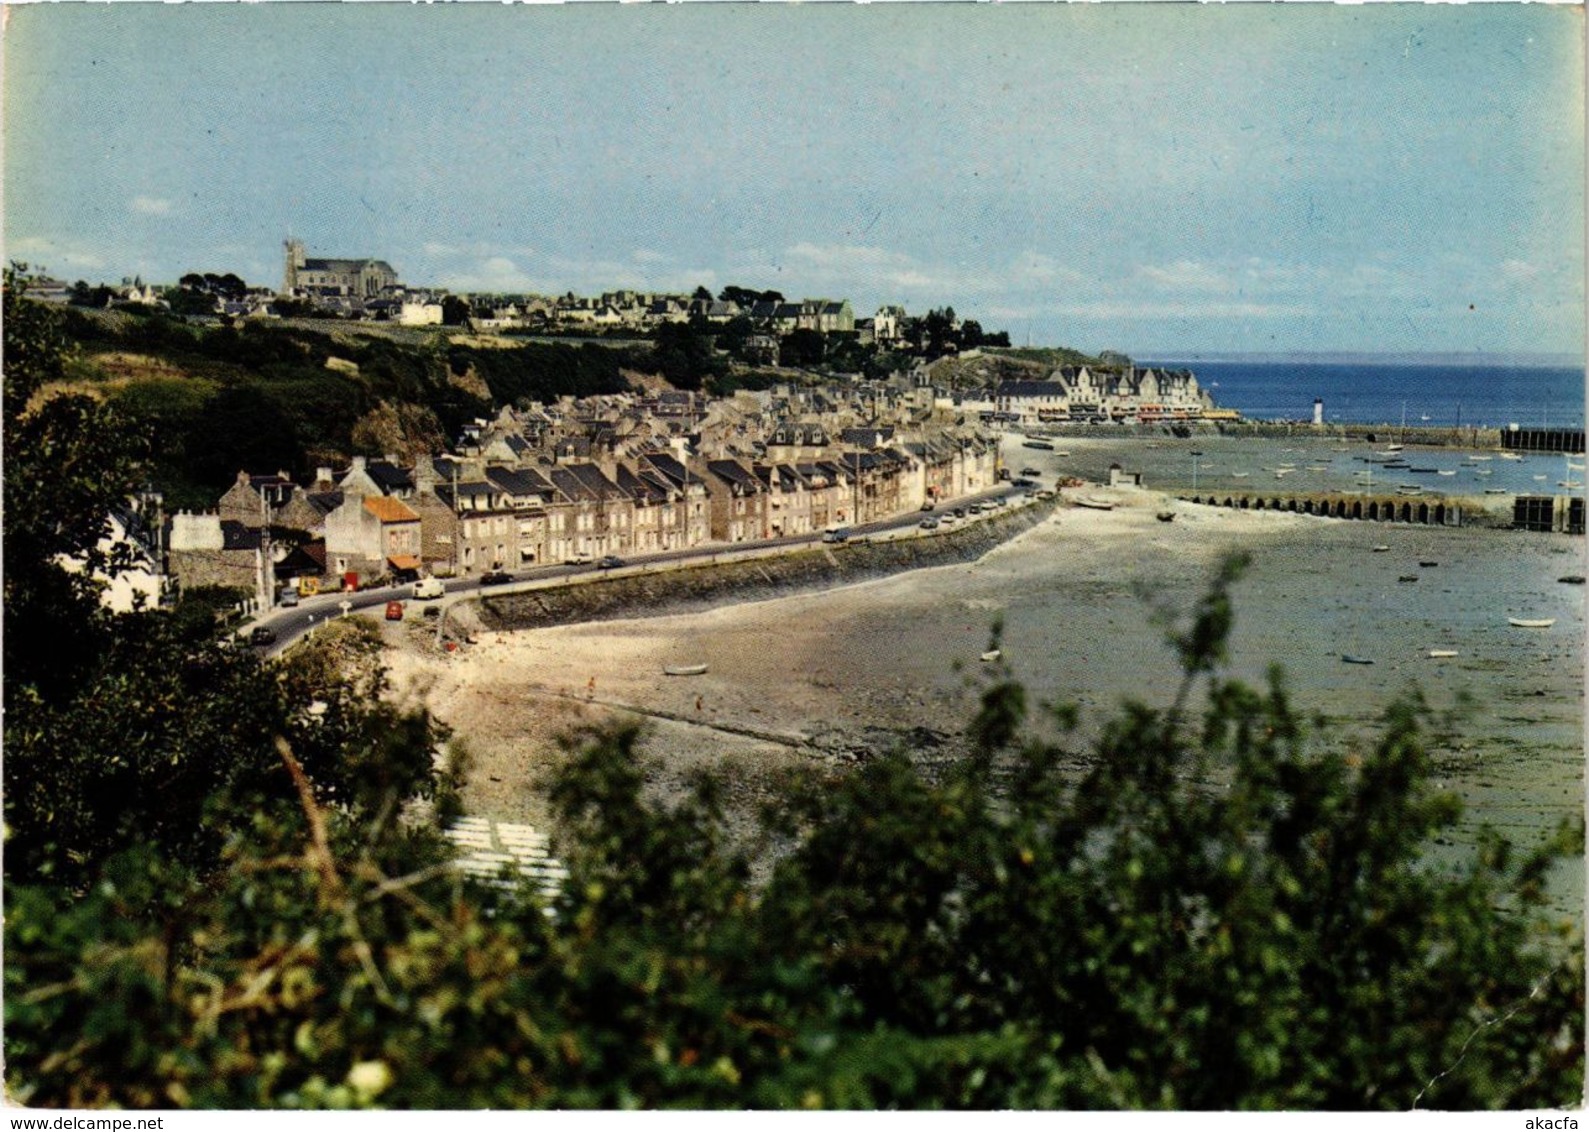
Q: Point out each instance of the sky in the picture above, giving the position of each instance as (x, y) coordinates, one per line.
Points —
(1158, 179)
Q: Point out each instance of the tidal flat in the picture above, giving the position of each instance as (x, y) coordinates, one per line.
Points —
(822, 677)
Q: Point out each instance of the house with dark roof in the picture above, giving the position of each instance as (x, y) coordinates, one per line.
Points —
(249, 497)
(736, 502)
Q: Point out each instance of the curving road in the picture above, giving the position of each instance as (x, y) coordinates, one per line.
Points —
(291, 622)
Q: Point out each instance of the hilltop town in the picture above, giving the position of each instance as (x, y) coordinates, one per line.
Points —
(749, 418)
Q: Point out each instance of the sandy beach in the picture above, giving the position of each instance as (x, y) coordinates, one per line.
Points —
(810, 677)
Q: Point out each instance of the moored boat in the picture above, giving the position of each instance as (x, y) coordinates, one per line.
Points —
(1095, 504)
(1348, 658)
(684, 670)
(1442, 654)
(992, 654)
(1531, 622)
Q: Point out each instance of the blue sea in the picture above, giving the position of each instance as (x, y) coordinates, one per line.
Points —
(1428, 392)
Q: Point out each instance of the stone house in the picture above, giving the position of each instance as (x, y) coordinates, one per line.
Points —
(737, 502)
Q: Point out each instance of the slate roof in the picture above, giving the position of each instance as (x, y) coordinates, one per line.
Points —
(736, 474)
(389, 477)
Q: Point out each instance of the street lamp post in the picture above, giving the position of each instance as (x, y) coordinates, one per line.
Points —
(1195, 455)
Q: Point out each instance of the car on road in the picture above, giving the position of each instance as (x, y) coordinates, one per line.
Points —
(928, 506)
(394, 611)
(946, 520)
(959, 512)
(427, 588)
(929, 524)
(1022, 481)
(289, 598)
(495, 578)
(1030, 472)
(580, 559)
(262, 636)
(610, 562)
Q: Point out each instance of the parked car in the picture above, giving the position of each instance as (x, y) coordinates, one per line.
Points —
(1022, 481)
(262, 636)
(946, 520)
(929, 524)
(836, 534)
(427, 588)
(928, 506)
(289, 598)
(959, 512)
(495, 578)
(580, 559)
(394, 611)
(1030, 472)
(610, 562)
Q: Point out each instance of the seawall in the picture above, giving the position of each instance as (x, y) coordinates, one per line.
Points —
(690, 588)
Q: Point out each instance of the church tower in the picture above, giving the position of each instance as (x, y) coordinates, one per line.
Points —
(295, 260)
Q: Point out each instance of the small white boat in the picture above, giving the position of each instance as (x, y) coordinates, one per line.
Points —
(1381, 548)
(1539, 477)
(1510, 456)
(1408, 489)
(1531, 622)
(684, 670)
(1446, 473)
(1239, 475)
(992, 654)
(1480, 457)
(1442, 654)
(1095, 504)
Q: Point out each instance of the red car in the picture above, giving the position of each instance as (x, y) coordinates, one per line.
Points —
(394, 611)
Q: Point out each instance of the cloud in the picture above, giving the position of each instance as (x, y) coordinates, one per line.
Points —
(1127, 309)
(150, 206)
(646, 255)
(1519, 271)
(1185, 275)
(47, 254)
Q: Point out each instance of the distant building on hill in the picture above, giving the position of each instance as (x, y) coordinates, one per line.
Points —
(363, 278)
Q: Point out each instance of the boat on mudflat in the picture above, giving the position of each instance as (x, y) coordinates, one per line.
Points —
(684, 670)
(1095, 504)
(992, 654)
(1531, 622)
(1348, 658)
(1442, 654)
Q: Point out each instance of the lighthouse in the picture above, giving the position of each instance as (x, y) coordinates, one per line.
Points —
(1318, 410)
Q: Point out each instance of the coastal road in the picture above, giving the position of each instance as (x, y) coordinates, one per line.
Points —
(292, 622)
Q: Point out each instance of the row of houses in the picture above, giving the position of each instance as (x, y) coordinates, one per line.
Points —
(1080, 393)
(510, 507)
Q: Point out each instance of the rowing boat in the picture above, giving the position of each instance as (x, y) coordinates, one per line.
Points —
(684, 670)
(1531, 622)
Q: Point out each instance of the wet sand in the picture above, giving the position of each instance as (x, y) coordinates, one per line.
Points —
(788, 677)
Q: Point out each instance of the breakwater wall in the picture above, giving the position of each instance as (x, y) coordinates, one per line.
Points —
(1465, 437)
(802, 570)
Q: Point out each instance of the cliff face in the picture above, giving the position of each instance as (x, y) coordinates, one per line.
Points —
(709, 586)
